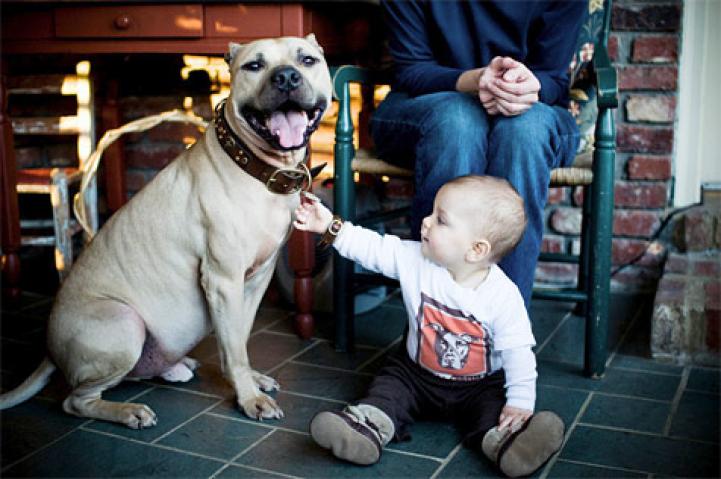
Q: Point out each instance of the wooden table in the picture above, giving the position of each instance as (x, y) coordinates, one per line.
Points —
(93, 27)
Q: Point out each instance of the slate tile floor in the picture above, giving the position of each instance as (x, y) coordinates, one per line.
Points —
(644, 419)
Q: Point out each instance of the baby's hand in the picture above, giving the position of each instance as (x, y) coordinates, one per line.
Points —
(311, 215)
(513, 417)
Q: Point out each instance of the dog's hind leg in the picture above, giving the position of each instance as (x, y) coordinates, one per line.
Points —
(96, 355)
(86, 401)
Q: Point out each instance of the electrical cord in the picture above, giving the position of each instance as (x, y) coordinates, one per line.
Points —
(654, 237)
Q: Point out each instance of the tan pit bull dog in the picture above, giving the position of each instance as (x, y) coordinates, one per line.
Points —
(193, 251)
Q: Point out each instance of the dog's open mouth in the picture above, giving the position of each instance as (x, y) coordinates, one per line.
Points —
(288, 127)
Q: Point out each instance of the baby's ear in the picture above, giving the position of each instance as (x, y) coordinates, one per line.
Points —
(233, 49)
(480, 251)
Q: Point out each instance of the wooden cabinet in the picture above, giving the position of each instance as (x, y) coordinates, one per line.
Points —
(129, 21)
(117, 27)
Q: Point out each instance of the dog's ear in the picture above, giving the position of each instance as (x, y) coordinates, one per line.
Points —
(310, 38)
(233, 49)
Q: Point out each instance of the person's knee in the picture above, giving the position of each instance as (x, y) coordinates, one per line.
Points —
(455, 116)
(534, 128)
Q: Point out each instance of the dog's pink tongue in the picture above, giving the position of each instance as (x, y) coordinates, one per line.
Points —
(289, 126)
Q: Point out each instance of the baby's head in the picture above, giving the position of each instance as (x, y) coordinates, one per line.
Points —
(481, 215)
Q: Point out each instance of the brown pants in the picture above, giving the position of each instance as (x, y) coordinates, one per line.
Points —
(406, 392)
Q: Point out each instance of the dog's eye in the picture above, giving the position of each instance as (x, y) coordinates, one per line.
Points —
(252, 66)
(309, 61)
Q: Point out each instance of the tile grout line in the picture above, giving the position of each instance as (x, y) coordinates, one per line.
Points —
(192, 418)
(626, 396)
(311, 396)
(677, 400)
(316, 339)
(20, 342)
(38, 301)
(567, 436)
(261, 424)
(604, 393)
(603, 466)
(45, 446)
(184, 390)
(251, 468)
(701, 391)
(307, 434)
(447, 460)
(158, 446)
(266, 328)
(331, 368)
(378, 354)
(553, 333)
(251, 446)
(80, 427)
(291, 358)
(417, 455)
(647, 371)
(647, 433)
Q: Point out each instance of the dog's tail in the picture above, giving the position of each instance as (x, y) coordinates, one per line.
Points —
(30, 387)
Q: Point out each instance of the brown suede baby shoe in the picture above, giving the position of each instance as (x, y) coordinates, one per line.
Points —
(520, 453)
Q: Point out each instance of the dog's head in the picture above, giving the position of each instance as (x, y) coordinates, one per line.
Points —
(281, 88)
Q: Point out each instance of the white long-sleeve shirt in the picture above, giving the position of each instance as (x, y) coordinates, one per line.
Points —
(455, 332)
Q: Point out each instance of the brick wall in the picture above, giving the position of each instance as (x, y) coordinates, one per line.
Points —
(644, 46)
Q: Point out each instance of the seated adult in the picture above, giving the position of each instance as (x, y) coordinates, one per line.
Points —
(481, 87)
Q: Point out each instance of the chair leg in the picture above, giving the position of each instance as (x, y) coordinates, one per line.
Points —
(9, 216)
(584, 263)
(344, 205)
(61, 222)
(600, 259)
(301, 255)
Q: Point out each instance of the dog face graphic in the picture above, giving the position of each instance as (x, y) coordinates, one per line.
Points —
(452, 348)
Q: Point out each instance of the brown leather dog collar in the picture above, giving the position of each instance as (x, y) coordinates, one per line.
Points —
(284, 181)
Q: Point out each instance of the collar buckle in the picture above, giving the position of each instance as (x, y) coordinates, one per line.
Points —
(300, 179)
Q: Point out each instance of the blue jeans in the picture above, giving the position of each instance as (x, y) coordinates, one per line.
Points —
(448, 134)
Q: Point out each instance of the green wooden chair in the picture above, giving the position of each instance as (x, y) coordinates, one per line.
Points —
(594, 96)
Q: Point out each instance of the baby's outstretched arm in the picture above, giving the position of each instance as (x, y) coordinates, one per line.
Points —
(311, 215)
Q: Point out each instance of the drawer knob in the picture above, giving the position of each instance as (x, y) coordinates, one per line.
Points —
(122, 22)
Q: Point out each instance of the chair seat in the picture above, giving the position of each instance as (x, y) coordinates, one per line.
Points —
(43, 176)
(579, 173)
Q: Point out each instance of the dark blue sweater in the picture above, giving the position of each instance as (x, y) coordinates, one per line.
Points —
(433, 42)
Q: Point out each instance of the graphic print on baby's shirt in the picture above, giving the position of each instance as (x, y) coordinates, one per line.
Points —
(451, 344)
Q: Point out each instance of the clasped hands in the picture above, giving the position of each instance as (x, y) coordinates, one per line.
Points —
(507, 87)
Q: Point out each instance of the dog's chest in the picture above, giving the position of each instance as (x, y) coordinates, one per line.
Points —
(271, 232)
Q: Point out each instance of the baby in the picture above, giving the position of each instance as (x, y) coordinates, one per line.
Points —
(467, 355)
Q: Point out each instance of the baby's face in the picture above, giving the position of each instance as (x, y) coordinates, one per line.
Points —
(447, 234)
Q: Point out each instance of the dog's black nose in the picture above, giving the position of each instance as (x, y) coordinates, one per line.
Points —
(286, 79)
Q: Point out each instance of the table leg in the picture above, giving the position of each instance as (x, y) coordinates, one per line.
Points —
(301, 255)
(10, 217)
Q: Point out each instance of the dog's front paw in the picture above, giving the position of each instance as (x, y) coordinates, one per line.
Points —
(261, 407)
(265, 383)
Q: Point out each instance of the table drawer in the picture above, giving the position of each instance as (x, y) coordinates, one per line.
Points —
(135, 21)
(243, 21)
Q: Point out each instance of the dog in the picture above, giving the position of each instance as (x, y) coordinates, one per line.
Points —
(195, 249)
